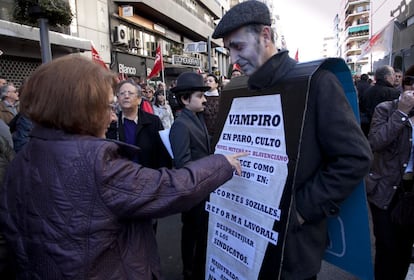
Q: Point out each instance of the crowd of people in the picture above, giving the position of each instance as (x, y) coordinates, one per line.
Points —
(132, 117)
(86, 176)
(386, 110)
(94, 201)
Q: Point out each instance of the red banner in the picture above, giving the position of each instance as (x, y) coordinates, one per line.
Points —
(97, 58)
(379, 42)
(158, 64)
(297, 55)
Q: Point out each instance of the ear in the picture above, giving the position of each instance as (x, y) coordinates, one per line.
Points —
(267, 34)
(185, 101)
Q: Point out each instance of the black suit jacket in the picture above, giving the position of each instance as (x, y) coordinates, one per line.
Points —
(152, 151)
(189, 138)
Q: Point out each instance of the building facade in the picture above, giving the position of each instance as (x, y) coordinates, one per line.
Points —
(355, 26)
(182, 29)
(126, 35)
(358, 21)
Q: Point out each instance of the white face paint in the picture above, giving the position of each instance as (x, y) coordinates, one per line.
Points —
(246, 49)
(196, 103)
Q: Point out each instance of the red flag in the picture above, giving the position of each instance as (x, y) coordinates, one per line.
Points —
(236, 67)
(297, 55)
(122, 77)
(97, 58)
(158, 64)
(379, 42)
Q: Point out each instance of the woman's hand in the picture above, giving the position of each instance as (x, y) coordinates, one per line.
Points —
(234, 161)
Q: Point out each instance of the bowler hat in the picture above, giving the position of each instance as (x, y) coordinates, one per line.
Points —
(248, 12)
(190, 81)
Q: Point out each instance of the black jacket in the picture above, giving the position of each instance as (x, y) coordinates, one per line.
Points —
(334, 158)
(380, 92)
(390, 139)
(189, 138)
(152, 152)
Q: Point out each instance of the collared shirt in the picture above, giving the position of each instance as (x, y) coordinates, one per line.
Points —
(212, 93)
(11, 107)
(134, 120)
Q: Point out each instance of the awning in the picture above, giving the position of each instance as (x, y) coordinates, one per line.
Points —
(359, 28)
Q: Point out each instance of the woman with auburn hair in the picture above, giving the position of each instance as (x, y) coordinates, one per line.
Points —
(72, 98)
(71, 206)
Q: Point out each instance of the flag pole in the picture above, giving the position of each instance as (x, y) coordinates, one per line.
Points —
(370, 31)
(162, 71)
(391, 42)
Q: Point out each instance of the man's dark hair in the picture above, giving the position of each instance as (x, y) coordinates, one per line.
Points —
(408, 80)
(257, 28)
(397, 70)
(382, 72)
(214, 77)
(364, 77)
(183, 94)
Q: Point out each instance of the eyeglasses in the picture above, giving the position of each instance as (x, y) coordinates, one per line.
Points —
(130, 93)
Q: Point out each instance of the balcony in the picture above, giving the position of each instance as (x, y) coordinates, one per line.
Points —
(358, 31)
(358, 28)
(357, 20)
(353, 3)
(354, 12)
(352, 51)
(353, 60)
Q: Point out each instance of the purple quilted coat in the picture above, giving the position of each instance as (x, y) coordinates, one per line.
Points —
(72, 208)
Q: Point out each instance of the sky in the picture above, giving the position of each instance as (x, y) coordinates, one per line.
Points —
(305, 23)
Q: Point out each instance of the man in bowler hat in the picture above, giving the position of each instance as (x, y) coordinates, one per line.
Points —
(334, 154)
(190, 141)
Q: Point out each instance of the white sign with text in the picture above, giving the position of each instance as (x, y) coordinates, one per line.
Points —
(242, 211)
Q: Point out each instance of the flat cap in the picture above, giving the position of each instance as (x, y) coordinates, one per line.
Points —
(248, 12)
